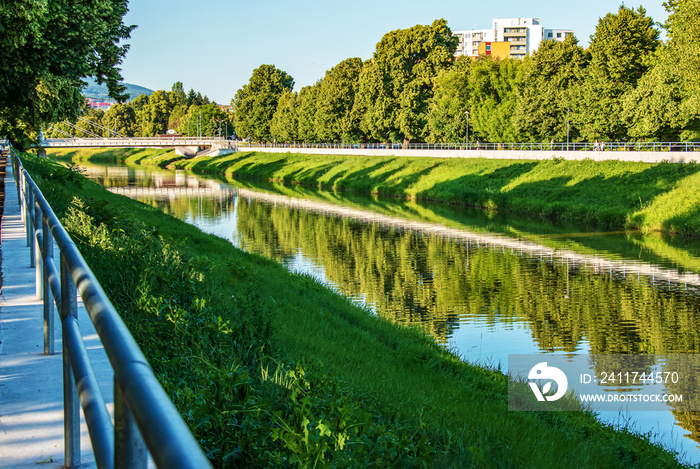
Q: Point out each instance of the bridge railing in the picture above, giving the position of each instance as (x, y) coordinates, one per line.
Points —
(135, 141)
(145, 420)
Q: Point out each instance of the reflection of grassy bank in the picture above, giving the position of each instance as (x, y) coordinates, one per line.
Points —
(654, 248)
(608, 194)
(439, 283)
(226, 333)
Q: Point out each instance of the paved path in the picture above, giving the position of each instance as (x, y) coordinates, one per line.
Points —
(31, 395)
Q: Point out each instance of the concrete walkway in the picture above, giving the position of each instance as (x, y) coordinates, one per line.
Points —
(31, 391)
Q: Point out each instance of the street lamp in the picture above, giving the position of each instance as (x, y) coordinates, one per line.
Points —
(219, 121)
(567, 129)
(466, 139)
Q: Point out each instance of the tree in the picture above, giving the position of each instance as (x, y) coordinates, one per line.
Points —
(306, 113)
(178, 116)
(155, 114)
(255, 103)
(492, 99)
(120, 118)
(666, 103)
(544, 96)
(336, 96)
(620, 54)
(397, 85)
(48, 48)
(177, 94)
(374, 108)
(284, 125)
(447, 119)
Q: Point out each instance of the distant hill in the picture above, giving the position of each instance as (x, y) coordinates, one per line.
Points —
(99, 92)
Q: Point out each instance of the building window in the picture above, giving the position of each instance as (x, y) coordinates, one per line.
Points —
(558, 35)
(549, 35)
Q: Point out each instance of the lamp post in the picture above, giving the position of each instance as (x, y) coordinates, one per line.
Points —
(567, 129)
(466, 138)
(219, 121)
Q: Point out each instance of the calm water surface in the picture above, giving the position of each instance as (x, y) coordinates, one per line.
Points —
(482, 284)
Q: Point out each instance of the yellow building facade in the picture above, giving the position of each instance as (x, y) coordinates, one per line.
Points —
(497, 50)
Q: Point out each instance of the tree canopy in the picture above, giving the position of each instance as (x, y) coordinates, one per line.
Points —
(666, 102)
(620, 53)
(48, 48)
(626, 85)
(255, 103)
(396, 86)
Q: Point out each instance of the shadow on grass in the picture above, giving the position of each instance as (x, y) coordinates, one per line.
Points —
(686, 224)
(477, 189)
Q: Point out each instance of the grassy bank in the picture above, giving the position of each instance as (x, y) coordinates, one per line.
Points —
(270, 368)
(609, 194)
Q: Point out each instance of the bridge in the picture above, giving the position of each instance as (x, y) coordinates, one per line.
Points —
(185, 146)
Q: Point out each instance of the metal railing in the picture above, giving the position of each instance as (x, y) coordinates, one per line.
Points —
(145, 420)
(134, 141)
(550, 146)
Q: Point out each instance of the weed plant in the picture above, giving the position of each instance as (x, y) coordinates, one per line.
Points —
(272, 369)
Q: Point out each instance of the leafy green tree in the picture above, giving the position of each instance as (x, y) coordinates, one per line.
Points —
(620, 54)
(177, 94)
(255, 103)
(492, 99)
(177, 115)
(397, 85)
(306, 113)
(138, 104)
(374, 107)
(48, 48)
(447, 119)
(155, 114)
(122, 118)
(91, 117)
(205, 119)
(86, 127)
(284, 126)
(666, 103)
(336, 96)
(544, 96)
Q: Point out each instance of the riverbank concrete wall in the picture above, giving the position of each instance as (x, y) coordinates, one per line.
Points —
(641, 156)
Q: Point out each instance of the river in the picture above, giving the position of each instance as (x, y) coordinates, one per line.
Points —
(482, 284)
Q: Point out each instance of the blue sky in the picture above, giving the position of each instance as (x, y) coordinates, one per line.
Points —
(213, 46)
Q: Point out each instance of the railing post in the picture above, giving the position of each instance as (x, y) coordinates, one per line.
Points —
(71, 403)
(30, 223)
(26, 203)
(47, 248)
(38, 260)
(129, 449)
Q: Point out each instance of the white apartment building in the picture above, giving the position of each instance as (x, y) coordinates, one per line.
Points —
(523, 34)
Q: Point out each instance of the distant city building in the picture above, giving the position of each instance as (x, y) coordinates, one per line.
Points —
(104, 105)
(508, 37)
